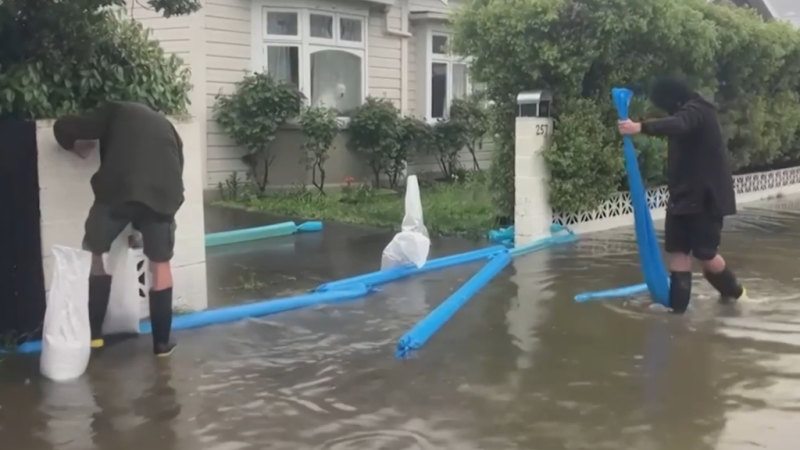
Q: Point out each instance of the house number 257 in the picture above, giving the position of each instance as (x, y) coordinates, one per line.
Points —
(542, 129)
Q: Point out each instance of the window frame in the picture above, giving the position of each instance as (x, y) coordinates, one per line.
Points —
(449, 60)
(308, 45)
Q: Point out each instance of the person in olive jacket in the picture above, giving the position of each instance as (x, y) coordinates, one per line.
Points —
(139, 182)
(700, 183)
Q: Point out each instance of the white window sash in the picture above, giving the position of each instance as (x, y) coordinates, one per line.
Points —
(449, 60)
(281, 37)
(307, 45)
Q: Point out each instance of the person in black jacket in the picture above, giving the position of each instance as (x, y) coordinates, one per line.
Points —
(139, 182)
(700, 183)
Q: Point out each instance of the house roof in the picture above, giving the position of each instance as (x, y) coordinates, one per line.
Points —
(788, 10)
(784, 9)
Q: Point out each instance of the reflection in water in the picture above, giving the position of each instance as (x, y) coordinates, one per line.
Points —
(521, 366)
(67, 409)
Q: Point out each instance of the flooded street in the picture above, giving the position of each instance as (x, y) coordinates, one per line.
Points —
(521, 366)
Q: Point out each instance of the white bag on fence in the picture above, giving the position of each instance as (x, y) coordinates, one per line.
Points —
(66, 334)
(411, 244)
(124, 309)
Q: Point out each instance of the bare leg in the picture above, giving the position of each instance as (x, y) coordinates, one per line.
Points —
(162, 275)
(98, 268)
(679, 262)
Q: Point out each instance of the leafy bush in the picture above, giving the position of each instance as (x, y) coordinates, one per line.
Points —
(449, 138)
(252, 116)
(63, 57)
(502, 171)
(376, 134)
(471, 114)
(584, 160)
(580, 49)
(320, 128)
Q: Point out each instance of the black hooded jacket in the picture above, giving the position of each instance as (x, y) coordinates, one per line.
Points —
(699, 175)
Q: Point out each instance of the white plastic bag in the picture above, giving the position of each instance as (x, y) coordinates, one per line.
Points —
(66, 333)
(122, 316)
(411, 244)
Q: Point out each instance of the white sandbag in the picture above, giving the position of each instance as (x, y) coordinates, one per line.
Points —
(122, 316)
(412, 244)
(66, 334)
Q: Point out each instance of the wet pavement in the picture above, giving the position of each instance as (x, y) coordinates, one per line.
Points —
(520, 367)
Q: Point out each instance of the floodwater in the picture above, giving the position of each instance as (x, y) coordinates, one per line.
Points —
(520, 367)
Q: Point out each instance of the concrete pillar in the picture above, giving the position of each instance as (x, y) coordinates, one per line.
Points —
(533, 215)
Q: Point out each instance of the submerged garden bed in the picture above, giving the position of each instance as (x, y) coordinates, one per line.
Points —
(459, 208)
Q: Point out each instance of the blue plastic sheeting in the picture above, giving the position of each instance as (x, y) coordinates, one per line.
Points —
(655, 275)
(427, 327)
(265, 232)
(239, 312)
(626, 291)
(396, 273)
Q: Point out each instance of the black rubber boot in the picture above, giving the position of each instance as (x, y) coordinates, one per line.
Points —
(680, 291)
(99, 291)
(726, 284)
(161, 320)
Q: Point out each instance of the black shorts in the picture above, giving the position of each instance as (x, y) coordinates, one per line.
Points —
(695, 234)
(105, 223)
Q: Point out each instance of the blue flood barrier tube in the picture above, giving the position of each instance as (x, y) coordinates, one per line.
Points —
(655, 275)
(259, 309)
(427, 327)
(396, 273)
(239, 312)
(309, 227)
(250, 234)
(542, 244)
(502, 235)
(625, 291)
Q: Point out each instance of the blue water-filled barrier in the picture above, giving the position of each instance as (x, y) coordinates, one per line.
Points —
(243, 311)
(420, 333)
(397, 273)
(360, 286)
(415, 338)
(655, 275)
(257, 233)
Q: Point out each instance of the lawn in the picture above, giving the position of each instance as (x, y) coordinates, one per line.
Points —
(458, 208)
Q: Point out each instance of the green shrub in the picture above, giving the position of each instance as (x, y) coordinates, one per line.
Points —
(57, 58)
(376, 134)
(320, 128)
(471, 114)
(252, 116)
(449, 138)
(584, 160)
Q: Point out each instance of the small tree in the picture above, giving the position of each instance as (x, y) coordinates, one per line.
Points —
(473, 117)
(375, 133)
(252, 117)
(448, 140)
(320, 128)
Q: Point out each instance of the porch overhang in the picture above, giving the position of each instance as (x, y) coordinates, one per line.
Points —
(429, 16)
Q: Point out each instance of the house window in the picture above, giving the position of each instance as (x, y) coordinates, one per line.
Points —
(320, 52)
(449, 76)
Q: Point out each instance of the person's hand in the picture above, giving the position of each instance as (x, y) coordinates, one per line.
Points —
(629, 127)
(83, 148)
